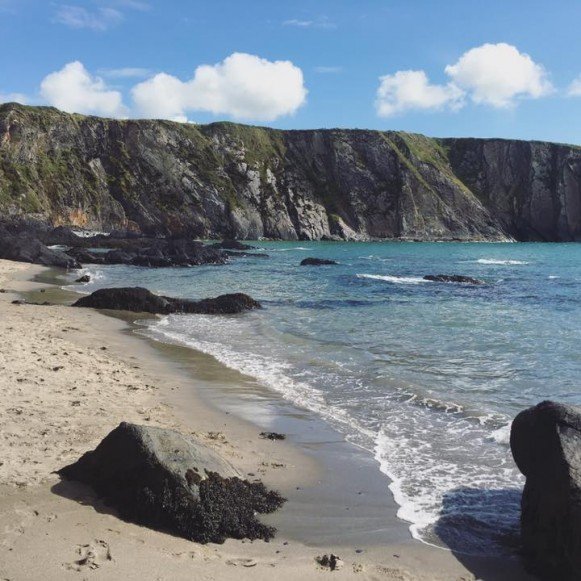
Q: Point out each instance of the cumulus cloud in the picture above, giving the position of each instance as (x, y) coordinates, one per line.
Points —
(407, 90)
(79, 17)
(574, 89)
(75, 90)
(242, 86)
(492, 74)
(497, 74)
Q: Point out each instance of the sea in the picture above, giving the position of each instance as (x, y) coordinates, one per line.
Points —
(424, 376)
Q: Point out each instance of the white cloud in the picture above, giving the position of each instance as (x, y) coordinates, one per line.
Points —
(498, 74)
(243, 86)
(408, 90)
(321, 22)
(79, 17)
(75, 90)
(574, 89)
(126, 73)
(491, 74)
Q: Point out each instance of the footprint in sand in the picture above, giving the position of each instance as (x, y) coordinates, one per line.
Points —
(92, 556)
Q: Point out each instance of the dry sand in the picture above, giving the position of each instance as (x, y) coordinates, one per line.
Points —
(67, 377)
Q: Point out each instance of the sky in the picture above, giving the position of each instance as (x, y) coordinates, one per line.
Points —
(508, 68)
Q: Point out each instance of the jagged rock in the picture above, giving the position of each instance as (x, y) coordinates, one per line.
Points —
(151, 252)
(164, 480)
(84, 279)
(457, 278)
(317, 262)
(227, 180)
(141, 300)
(546, 445)
(23, 248)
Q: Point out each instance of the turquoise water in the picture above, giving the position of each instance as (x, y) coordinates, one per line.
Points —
(426, 376)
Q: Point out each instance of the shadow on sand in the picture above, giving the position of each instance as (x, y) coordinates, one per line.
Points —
(481, 528)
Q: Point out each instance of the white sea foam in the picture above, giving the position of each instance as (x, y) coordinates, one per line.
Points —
(302, 248)
(501, 262)
(394, 279)
(502, 435)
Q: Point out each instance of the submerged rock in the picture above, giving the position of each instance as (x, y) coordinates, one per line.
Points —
(453, 278)
(317, 262)
(164, 480)
(141, 300)
(546, 445)
(84, 278)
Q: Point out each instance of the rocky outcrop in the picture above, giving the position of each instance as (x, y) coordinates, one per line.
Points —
(150, 252)
(225, 180)
(164, 480)
(317, 262)
(546, 445)
(456, 278)
(23, 248)
(141, 300)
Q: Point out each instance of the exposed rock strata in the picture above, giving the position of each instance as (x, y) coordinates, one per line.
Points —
(232, 181)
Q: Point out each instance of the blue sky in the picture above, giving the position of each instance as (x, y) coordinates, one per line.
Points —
(448, 68)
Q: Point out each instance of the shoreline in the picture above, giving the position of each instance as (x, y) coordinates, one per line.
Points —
(176, 404)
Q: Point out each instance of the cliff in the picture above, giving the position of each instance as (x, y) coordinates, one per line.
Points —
(236, 181)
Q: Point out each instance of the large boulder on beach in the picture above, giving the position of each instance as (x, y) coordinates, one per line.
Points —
(317, 262)
(457, 278)
(546, 445)
(141, 300)
(25, 248)
(167, 481)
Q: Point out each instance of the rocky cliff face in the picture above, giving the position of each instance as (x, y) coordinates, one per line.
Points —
(236, 181)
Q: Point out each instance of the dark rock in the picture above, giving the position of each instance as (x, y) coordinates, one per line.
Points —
(457, 278)
(141, 300)
(317, 262)
(24, 248)
(239, 254)
(232, 245)
(272, 436)
(83, 279)
(331, 562)
(546, 445)
(164, 480)
(151, 252)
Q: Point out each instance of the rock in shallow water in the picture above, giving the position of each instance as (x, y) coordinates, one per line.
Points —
(317, 262)
(164, 480)
(458, 278)
(546, 445)
(141, 300)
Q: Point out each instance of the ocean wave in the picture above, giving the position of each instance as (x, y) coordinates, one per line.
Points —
(285, 249)
(394, 279)
(501, 262)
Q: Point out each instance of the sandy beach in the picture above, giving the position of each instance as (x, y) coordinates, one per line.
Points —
(69, 376)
